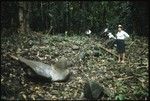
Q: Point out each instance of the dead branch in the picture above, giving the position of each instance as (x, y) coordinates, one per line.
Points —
(14, 57)
(125, 78)
(107, 50)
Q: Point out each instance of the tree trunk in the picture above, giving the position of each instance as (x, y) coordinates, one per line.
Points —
(28, 8)
(24, 8)
(21, 17)
(81, 27)
(68, 16)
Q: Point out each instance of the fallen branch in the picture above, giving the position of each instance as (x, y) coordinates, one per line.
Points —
(50, 29)
(106, 41)
(125, 78)
(107, 50)
(14, 57)
(131, 44)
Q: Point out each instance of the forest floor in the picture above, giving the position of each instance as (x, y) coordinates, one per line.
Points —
(125, 81)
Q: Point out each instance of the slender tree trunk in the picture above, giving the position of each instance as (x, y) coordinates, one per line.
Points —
(28, 8)
(24, 8)
(104, 17)
(21, 17)
(68, 16)
(81, 14)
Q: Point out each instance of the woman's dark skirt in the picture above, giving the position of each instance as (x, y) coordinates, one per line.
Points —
(120, 46)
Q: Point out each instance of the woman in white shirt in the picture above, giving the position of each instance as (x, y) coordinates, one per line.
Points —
(120, 36)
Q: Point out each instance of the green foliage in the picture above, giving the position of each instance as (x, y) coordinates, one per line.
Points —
(120, 97)
(77, 16)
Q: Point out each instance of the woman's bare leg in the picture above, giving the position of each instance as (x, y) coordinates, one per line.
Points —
(123, 57)
(119, 58)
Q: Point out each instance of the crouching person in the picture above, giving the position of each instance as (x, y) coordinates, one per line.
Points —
(111, 41)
